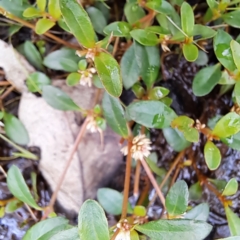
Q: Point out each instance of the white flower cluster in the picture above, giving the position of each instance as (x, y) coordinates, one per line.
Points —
(86, 76)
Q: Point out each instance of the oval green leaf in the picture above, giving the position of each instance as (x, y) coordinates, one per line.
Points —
(145, 37)
(58, 99)
(232, 18)
(41, 4)
(92, 222)
(223, 51)
(200, 212)
(233, 222)
(212, 155)
(206, 79)
(118, 29)
(78, 22)
(151, 114)
(46, 229)
(109, 73)
(175, 229)
(190, 52)
(203, 32)
(161, 6)
(73, 79)
(187, 19)
(231, 187)
(158, 93)
(69, 234)
(227, 126)
(114, 114)
(235, 47)
(177, 198)
(43, 25)
(15, 130)
(236, 92)
(133, 12)
(31, 12)
(19, 188)
(54, 9)
(35, 81)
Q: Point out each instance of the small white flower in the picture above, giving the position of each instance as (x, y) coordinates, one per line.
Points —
(86, 77)
(123, 235)
(92, 125)
(90, 54)
(140, 147)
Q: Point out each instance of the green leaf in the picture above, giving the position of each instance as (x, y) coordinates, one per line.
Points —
(190, 52)
(212, 155)
(19, 188)
(227, 126)
(195, 192)
(129, 68)
(54, 9)
(12, 206)
(138, 90)
(140, 211)
(235, 47)
(114, 114)
(133, 12)
(206, 79)
(233, 222)
(175, 139)
(15, 130)
(31, 53)
(78, 22)
(187, 19)
(158, 93)
(175, 229)
(203, 32)
(222, 50)
(69, 234)
(43, 25)
(148, 59)
(158, 30)
(151, 114)
(58, 99)
(202, 59)
(177, 198)
(118, 29)
(64, 59)
(109, 73)
(92, 222)
(185, 125)
(73, 79)
(145, 37)
(98, 20)
(41, 4)
(231, 187)
(13, 29)
(212, 4)
(218, 183)
(237, 92)
(154, 167)
(160, 6)
(46, 229)
(97, 82)
(232, 18)
(31, 12)
(233, 141)
(200, 212)
(35, 81)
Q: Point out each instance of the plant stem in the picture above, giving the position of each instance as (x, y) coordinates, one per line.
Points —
(8, 91)
(136, 180)
(127, 180)
(68, 163)
(154, 182)
(27, 24)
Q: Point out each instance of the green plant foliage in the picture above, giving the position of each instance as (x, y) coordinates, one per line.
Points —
(227, 126)
(195, 192)
(145, 37)
(31, 12)
(232, 18)
(73, 79)
(152, 114)
(54, 8)
(185, 125)
(160, 6)
(109, 73)
(43, 25)
(154, 167)
(212, 155)
(46, 229)
(41, 4)
(133, 12)
(203, 31)
(233, 141)
(190, 52)
(15, 130)
(187, 19)
(158, 93)
(91, 212)
(118, 29)
(200, 212)
(140, 211)
(231, 187)
(111, 200)
(233, 222)
(97, 18)
(31, 53)
(69, 234)
(12, 206)
(148, 61)
(175, 229)
(78, 22)
(18, 187)
(64, 59)
(236, 92)
(177, 199)
(175, 139)
(36, 81)
(58, 99)
(235, 47)
(222, 50)
(206, 79)
(114, 114)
